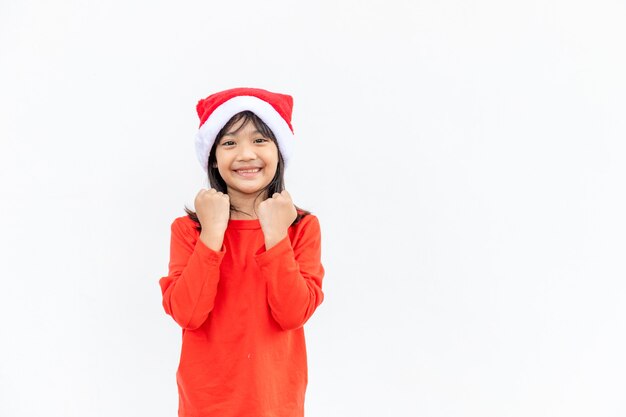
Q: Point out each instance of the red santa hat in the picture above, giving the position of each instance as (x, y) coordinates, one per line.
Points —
(217, 109)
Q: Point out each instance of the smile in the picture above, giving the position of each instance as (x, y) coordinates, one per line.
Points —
(248, 173)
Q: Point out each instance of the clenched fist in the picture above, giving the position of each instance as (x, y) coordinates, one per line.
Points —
(276, 215)
(213, 210)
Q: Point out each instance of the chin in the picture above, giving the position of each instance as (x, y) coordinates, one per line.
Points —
(251, 190)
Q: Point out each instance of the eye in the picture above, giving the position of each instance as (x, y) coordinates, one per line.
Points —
(227, 142)
(264, 140)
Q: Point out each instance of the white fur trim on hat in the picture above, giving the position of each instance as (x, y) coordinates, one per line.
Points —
(222, 114)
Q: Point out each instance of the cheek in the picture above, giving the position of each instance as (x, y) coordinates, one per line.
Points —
(221, 159)
(272, 155)
(271, 168)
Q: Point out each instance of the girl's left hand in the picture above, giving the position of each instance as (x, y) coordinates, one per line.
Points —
(276, 215)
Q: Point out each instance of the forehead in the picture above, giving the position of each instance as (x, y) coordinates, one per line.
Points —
(249, 128)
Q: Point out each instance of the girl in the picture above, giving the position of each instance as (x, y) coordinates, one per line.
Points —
(245, 270)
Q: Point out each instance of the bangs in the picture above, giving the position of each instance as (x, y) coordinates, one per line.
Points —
(246, 116)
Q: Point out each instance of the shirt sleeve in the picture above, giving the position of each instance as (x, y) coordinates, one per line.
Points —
(194, 271)
(294, 276)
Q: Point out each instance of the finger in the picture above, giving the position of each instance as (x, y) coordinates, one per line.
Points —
(276, 195)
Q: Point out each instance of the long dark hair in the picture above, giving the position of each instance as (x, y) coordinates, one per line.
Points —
(216, 181)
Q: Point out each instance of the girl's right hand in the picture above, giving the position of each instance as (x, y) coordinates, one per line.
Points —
(213, 210)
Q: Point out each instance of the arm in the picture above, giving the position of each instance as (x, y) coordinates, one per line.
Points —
(294, 276)
(194, 270)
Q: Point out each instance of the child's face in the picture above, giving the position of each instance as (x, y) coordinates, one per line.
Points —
(246, 148)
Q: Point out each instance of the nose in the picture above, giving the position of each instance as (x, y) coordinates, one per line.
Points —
(246, 152)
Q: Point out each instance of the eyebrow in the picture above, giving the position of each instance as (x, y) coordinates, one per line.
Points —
(232, 134)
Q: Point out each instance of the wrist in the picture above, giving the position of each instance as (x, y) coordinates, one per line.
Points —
(272, 240)
(212, 240)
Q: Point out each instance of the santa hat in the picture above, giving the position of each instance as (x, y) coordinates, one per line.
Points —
(217, 109)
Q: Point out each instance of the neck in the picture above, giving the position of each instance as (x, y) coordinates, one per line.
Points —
(245, 204)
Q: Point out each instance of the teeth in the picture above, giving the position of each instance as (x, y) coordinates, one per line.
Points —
(250, 170)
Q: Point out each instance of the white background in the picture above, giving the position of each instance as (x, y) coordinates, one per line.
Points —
(465, 159)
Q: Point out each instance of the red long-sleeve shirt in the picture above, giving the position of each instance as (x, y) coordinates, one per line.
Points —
(241, 310)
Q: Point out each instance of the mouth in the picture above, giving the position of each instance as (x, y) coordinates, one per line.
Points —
(248, 173)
